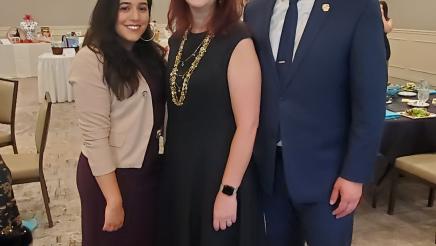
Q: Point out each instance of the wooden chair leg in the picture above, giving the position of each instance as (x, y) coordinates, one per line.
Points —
(374, 195)
(48, 197)
(14, 146)
(430, 198)
(393, 192)
(46, 201)
(377, 185)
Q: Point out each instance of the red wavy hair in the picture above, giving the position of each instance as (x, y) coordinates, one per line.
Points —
(226, 13)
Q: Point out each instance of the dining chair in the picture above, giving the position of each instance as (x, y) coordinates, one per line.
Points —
(8, 104)
(28, 168)
(421, 167)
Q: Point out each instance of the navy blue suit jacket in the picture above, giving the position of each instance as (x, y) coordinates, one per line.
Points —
(330, 109)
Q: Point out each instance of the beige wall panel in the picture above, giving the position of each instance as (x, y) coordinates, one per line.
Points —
(413, 55)
(47, 12)
(415, 14)
(160, 10)
(61, 12)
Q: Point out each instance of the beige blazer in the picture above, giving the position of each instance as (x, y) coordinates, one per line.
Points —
(115, 133)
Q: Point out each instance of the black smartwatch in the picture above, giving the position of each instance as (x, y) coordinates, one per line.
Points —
(228, 190)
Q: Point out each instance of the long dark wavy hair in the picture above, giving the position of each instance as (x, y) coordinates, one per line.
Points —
(385, 9)
(121, 67)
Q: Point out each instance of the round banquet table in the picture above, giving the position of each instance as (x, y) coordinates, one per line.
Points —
(53, 72)
(402, 137)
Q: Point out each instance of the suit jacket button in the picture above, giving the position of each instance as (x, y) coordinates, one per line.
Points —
(144, 93)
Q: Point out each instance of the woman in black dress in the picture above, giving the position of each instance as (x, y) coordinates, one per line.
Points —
(118, 84)
(209, 188)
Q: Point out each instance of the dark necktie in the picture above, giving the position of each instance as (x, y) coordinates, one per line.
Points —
(287, 40)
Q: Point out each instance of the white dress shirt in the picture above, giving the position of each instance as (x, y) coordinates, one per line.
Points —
(277, 20)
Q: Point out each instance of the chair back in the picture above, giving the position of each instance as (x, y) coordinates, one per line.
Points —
(42, 124)
(8, 100)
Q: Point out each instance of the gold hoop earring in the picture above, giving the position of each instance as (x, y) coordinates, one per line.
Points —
(151, 38)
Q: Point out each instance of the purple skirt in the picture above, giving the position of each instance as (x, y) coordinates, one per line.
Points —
(138, 190)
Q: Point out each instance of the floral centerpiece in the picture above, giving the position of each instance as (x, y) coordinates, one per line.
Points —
(29, 27)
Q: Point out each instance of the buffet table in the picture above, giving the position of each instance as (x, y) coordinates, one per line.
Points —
(21, 60)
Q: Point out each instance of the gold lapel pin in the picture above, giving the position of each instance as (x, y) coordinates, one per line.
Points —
(326, 7)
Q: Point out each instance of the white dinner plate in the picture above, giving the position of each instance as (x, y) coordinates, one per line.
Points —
(416, 104)
(413, 117)
(407, 93)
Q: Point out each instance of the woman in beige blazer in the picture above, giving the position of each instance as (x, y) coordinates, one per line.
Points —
(118, 84)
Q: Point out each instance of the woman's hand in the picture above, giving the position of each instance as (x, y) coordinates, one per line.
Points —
(114, 212)
(114, 216)
(224, 211)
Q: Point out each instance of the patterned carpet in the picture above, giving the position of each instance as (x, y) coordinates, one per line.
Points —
(413, 223)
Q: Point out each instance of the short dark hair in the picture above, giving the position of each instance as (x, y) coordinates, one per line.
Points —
(121, 67)
(226, 13)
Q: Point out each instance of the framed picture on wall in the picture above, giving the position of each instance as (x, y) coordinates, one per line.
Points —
(45, 31)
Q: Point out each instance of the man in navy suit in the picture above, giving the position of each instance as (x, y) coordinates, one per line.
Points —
(323, 103)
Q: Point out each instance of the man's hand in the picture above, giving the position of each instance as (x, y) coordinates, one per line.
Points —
(349, 194)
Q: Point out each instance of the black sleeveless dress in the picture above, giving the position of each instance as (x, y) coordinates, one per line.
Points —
(199, 136)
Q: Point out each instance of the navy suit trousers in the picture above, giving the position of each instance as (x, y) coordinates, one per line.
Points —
(291, 224)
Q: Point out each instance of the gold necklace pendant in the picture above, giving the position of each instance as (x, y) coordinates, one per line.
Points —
(178, 95)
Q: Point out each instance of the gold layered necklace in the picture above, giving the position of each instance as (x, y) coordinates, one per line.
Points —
(178, 94)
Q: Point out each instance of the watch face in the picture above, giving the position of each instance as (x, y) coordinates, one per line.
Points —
(228, 190)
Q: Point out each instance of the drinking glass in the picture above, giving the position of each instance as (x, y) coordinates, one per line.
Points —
(423, 92)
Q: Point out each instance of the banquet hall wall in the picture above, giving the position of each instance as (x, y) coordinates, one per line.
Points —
(61, 15)
(413, 40)
(413, 55)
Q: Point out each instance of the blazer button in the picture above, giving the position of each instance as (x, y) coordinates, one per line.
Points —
(144, 93)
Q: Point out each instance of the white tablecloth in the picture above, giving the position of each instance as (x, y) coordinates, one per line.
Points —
(53, 72)
(21, 60)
